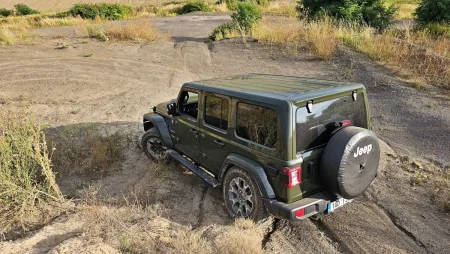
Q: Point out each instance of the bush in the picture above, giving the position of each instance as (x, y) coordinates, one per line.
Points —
(224, 31)
(232, 4)
(371, 12)
(23, 9)
(433, 11)
(247, 16)
(26, 177)
(104, 11)
(194, 6)
(437, 30)
(5, 12)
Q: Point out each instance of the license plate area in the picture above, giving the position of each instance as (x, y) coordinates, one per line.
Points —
(337, 204)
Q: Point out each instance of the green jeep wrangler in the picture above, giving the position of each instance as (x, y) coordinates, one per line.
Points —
(286, 146)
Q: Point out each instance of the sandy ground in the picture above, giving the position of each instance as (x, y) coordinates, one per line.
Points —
(120, 82)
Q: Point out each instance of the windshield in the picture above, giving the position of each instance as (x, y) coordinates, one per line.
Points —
(314, 129)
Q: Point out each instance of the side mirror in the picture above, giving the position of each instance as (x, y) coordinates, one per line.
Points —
(172, 108)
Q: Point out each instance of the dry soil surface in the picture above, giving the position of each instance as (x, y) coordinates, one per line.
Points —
(111, 85)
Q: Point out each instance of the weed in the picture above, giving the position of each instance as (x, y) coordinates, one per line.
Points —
(88, 55)
(419, 178)
(28, 183)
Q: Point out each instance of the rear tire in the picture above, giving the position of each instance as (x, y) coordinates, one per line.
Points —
(242, 197)
(153, 146)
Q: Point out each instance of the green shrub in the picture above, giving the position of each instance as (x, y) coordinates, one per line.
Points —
(5, 12)
(437, 29)
(194, 6)
(374, 13)
(224, 31)
(232, 4)
(104, 11)
(23, 9)
(433, 11)
(247, 16)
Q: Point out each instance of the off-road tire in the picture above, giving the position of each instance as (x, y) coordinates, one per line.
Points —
(153, 134)
(258, 211)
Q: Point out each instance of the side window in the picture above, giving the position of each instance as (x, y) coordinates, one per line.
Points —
(188, 104)
(216, 112)
(257, 124)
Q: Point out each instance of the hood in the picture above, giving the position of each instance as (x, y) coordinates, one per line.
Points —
(161, 108)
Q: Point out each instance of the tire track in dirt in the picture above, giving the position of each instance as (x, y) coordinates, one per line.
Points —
(201, 212)
(269, 233)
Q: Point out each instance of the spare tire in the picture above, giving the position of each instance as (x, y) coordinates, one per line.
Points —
(350, 161)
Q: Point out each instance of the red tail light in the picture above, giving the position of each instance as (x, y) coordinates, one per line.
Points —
(300, 212)
(345, 123)
(294, 175)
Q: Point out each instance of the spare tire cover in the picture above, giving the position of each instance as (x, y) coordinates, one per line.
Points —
(350, 161)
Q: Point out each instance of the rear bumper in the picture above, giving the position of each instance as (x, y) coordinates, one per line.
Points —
(314, 204)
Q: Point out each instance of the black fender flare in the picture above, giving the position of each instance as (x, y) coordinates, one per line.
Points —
(253, 168)
(160, 124)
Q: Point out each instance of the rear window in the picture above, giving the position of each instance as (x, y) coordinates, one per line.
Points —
(314, 129)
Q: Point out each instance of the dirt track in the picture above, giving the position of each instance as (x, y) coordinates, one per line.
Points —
(120, 82)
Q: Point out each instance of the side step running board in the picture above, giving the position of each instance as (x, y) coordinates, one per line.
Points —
(192, 167)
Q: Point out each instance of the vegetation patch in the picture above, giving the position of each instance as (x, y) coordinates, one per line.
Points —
(224, 31)
(374, 13)
(23, 9)
(433, 11)
(244, 20)
(135, 30)
(27, 182)
(103, 10)
(194, 6)
(85, 150)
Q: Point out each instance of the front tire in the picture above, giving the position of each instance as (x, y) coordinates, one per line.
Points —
(153, 146)
(242, 197)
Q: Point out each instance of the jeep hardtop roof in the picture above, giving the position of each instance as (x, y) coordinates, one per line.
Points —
(272, 88)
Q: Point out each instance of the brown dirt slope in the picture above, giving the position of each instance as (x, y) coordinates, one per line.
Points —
(119, 82)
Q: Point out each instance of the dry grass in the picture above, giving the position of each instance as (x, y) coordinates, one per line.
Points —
(85, 150)
(27, 184)
(38, 21)
(58, 5)
(139, 229)
(293, 34)
(133, 30)
(417, 54)
(284, 8)
(13, 36)
(402, 53)
(139, 30)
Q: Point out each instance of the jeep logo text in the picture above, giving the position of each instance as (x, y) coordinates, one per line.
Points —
(364, 150)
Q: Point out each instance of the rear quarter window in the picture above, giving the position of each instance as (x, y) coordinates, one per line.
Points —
(257, 124)
(314, 129)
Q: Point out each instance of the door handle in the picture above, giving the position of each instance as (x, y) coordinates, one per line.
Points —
(219, 143)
